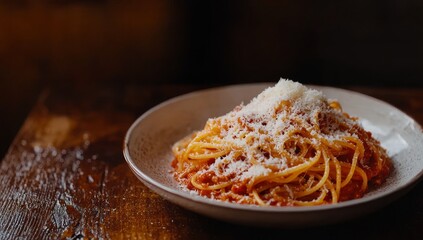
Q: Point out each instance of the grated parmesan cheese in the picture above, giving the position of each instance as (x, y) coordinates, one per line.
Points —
(254, 127)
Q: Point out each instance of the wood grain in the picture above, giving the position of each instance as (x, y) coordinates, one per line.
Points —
(64, 177)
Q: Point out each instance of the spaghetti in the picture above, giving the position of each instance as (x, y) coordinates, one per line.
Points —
(290, 146)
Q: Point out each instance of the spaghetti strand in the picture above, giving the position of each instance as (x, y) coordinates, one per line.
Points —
(289, 146)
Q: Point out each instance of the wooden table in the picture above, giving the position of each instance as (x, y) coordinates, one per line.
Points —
(64, 176)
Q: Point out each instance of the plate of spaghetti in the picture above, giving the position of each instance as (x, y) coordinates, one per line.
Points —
(281, 154)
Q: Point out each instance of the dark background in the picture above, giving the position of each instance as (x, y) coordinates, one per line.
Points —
(73, 44)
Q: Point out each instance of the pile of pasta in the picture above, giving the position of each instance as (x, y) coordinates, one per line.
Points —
(290, 146)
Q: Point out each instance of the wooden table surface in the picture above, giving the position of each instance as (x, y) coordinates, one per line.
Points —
(64, 177)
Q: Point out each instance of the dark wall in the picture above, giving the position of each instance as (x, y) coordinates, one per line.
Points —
(335, 43)
(77, 43)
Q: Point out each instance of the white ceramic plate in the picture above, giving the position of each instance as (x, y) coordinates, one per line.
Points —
(147, 149)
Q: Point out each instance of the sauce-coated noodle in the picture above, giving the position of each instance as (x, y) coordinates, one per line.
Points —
(290, 146)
